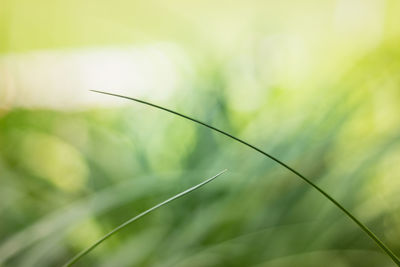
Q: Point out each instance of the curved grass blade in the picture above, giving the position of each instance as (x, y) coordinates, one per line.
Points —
(386, 249)
(125, 224)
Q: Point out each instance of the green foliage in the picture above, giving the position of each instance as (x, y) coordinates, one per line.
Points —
(313, 83)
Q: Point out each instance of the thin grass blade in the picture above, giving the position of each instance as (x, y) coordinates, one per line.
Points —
(125, 224)
(380, 243)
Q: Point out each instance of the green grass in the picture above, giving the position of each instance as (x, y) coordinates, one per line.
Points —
(362, 226)
(128, 222)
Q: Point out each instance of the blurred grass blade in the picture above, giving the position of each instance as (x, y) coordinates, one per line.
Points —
(125, 224)
(304, 178)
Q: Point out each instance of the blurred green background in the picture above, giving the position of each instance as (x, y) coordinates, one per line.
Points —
(314, 83)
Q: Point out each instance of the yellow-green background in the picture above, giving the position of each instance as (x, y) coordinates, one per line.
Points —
(315, 83)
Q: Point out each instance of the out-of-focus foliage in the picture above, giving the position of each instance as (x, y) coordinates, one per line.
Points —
(314, 83)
